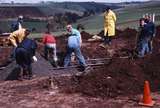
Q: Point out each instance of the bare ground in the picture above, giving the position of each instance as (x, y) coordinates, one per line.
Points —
(117, 84)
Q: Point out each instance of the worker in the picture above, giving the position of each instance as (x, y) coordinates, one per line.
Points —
(24, 51)
(25, 55)
(18, 24)
(14, 27)
(50, 46)
(143, 38)
(152, 31)
(109, 27)
(15, 38)
(74, 45)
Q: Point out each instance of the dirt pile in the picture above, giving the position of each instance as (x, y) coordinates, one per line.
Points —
(117, 33)
(85, 35)
(4, 55)
(128, 33)
(121, 76)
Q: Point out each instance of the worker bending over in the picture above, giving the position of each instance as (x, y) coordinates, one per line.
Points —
(74, 45)
(24, 52)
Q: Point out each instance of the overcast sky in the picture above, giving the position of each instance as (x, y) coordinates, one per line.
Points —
(31, 1)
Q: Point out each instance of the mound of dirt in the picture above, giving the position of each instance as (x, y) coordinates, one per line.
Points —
(128, 33)
(117, 33)
(85, 35)
(4, 55)
(121, 76)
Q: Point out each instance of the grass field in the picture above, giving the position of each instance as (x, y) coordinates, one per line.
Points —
(37, 35)
(127, 17)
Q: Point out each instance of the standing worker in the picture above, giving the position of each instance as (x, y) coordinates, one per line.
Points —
(152, 31)
(74, 45)
(143, 39)
(24, 51)
(109, 27)
(18, 24)
(50, 46)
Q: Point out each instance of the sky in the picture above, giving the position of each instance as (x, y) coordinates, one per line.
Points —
(35, 1)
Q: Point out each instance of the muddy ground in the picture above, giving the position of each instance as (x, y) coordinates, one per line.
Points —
(118, 83)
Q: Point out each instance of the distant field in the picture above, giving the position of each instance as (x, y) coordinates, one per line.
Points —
(127, 17)
(37, 35)
(39, 26)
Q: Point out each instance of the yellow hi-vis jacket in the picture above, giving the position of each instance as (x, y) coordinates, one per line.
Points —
(17, 37)
(109, 23)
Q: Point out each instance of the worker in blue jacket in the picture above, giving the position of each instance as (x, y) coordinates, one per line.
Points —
(152, 31)
(25, 55)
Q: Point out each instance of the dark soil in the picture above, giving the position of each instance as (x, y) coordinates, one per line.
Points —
(121, 77)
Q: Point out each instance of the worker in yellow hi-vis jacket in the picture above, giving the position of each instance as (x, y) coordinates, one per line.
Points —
(109, 26)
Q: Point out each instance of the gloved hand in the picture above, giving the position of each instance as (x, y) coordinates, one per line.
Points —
(34, 59)
(55, 59)
(154, 35)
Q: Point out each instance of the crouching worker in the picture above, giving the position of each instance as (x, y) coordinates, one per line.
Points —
(143, 39)
(49, 42)
(24, 52)
(74, 44)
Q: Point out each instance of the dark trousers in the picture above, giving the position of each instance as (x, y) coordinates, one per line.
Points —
(24, 60)
(48, 51)
(107, 39)
(12, 56)
(150, 45)
(142, 47)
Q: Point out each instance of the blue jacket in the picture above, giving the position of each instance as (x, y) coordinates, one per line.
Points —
(15, 25)
(28, 44)
(151, 27)
(74, 39)
(144, 33)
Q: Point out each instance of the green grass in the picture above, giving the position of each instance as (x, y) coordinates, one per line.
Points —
(5, 26)
(124, 16)
(127, 17)
(40, 26)
(38, 35)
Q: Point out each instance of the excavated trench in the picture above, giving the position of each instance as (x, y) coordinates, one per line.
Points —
(122, 76)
